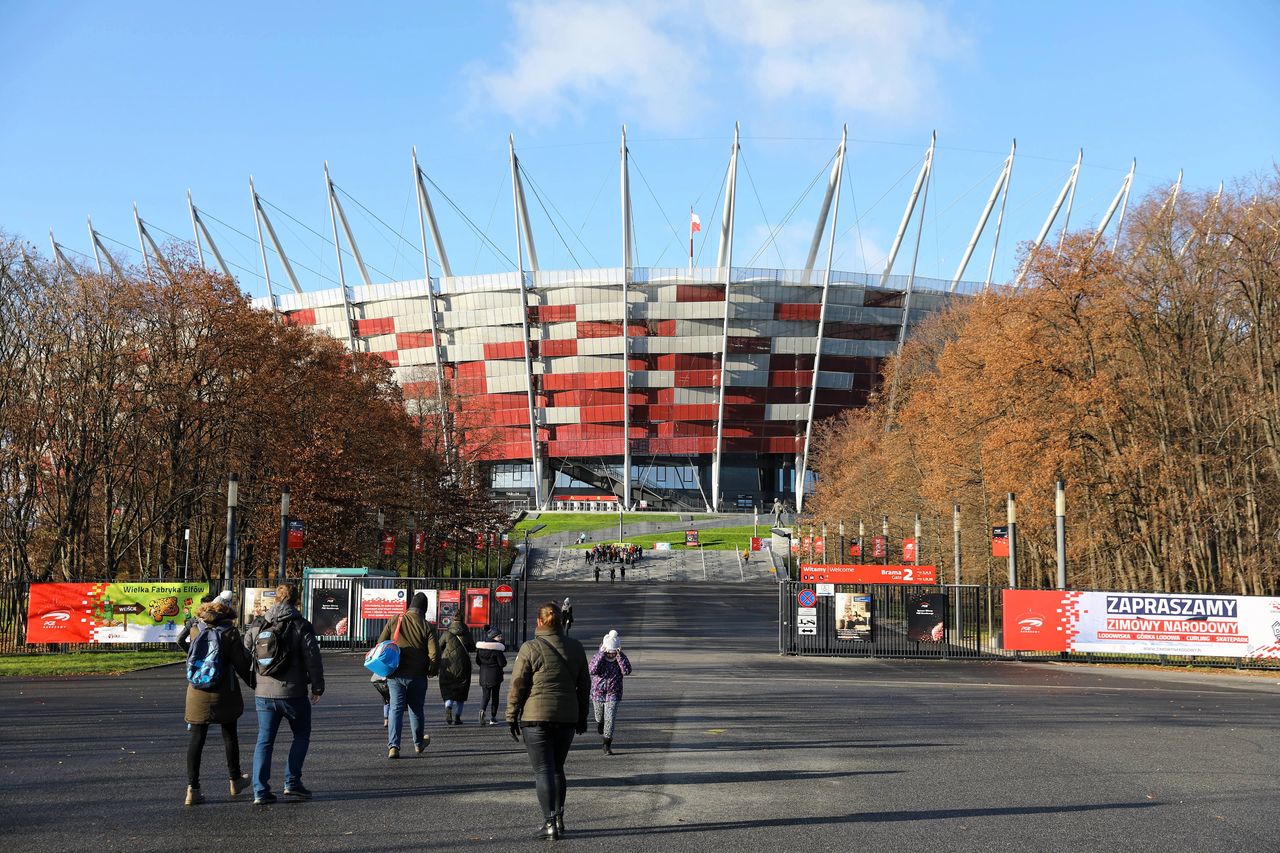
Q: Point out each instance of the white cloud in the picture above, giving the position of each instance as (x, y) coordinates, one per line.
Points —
(663, 62)
(569, 55)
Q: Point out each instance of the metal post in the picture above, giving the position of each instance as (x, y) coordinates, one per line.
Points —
(413, 523)
(1012, 519)
(626, 333)
(862, 533)
(884, 532)
(917, 535)
(982, 219)
(842, 551)
(1060, 507)
(233, 503)
(522, 235)
(262, 246)
(186, 557)
(619, 524)
(284, 534)
(342, 275)
(824, 542)
(725, 263)
(425, 215)
(955, 534)
(382, 521)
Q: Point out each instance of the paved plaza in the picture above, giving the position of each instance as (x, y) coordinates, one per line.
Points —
(721, 745)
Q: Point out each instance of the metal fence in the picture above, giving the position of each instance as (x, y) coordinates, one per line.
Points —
(973, 619)
(507, 616)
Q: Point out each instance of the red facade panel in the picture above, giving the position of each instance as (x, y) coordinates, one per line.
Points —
(697, 379)
(687, 361)
(391, 357)
(507, 349)
(379, 326)
(796, 311)
(662, 328)
(561, 347)
(581, 381)
(699, 293)
(303, 317)
(413, 340)
(790, 378)
(557, 313)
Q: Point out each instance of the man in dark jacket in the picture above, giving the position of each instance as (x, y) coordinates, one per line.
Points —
(419, 657)
(284, 694)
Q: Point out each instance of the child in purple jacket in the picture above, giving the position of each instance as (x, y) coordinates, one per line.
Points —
(607, 668)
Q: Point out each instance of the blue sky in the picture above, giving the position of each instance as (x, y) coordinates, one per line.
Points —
(108, 104)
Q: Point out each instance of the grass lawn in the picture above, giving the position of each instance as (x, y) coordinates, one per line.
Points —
(84, 663)
(571, 522)
(711, 538)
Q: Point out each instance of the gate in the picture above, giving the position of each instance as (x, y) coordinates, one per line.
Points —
(970, 619)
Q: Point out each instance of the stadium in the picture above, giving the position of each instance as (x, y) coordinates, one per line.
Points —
(634, 387)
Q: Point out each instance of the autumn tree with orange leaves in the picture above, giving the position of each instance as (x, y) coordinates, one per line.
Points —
(1148, 378)
(125, 403)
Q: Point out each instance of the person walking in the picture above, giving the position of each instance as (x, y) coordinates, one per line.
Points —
(222, 702)
(548, 700)
(566, 614)
(290, 679)
(492, 659)
(608, 666)
(407, 684)
(455, 669)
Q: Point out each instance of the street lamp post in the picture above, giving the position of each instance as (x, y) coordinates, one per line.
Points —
(233, 503)
(283, 554)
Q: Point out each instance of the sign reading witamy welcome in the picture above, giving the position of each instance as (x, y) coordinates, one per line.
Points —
(1142, 623)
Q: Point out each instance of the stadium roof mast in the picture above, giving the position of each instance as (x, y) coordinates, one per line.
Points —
(425, 215)
(625, 179)
(1068, 188)
(60, 258)
(821, 226)
(144, 240)
(724, 262)
(1122, 197)
(100, 252)
(837, 173)
(524, 236)
(335, 211)
(1000, 190)
(260, 218)
(198, 226)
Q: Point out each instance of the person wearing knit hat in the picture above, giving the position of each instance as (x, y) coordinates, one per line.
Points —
(224, 597)
(491, 658)
(607, 669)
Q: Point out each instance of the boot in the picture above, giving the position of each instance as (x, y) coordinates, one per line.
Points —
(549, 831)
(608, 746)
(560, 825)
(600, 726)
(482, 718)
(194, 797)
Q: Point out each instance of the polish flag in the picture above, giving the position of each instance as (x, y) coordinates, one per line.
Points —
(695, 224)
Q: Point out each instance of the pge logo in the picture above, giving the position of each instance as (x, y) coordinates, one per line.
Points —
(1030, 623)
(54, 617)
(1275, 629)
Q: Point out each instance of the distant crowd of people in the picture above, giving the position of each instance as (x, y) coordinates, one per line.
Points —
(554, 689)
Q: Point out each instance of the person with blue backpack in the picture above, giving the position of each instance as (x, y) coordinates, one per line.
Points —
(289, 679)
(216, 664)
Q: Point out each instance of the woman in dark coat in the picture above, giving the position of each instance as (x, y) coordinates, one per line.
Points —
(223, 705)
(492, 660)
(455, 669)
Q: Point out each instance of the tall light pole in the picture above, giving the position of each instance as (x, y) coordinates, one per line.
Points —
(1012, 519)
(917, 535)
(1060, 513)
(884, 533)
(233, 503)
(283, 554)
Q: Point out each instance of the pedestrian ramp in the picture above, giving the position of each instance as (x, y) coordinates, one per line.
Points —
(677, 566)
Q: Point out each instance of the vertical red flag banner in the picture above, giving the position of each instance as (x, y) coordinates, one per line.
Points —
(820, 547)
(908, 550)
(878, 546)
(1000, 541)
(755, 543)
(855, 550)
(297, 534)
(419, 542)
(388, 544)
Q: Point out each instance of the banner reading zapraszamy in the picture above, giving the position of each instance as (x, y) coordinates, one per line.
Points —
(1142, 623)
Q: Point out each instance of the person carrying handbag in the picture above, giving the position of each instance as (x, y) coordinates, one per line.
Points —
(407, 684)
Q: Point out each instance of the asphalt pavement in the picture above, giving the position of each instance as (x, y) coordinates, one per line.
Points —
(721, 745)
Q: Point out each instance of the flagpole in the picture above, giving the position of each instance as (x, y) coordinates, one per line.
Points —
(690, 242)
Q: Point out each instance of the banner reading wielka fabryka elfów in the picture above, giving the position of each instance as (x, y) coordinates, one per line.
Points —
(1234, 626)
(110, 612)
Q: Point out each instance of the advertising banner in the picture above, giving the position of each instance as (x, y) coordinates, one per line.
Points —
(927, 618)
(1000, 541)
(1142, 623)
(388, 544)
(477, 613)
(691, 537)
(257, 601)
(853, 617)
(662, 546)
(871, 573)
(855, 550)
(878, 547)
(908, 550)
(382, 603)
(756, 543)
(432, 597)
(110, 612)
(450, 601)
(419, 542)
(331, 611)
(297, 534)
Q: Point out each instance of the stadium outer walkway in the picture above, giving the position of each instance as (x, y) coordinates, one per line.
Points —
(722, 745)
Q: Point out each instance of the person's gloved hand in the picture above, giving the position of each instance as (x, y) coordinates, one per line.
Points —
(515, 730)
(581, 728)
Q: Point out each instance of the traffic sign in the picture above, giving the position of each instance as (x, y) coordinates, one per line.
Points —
(807, 621)
(502, 593)
(806, 598)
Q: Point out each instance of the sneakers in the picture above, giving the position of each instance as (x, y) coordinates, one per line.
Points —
(608, 746)
(492, 722)
(393, 752)
(298, 791)
(266, 799)
(482, 716)
(194, 797)
(422, 744)
(239, 783)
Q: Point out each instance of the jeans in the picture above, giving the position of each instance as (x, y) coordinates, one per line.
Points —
(411, 692)
(195, 747)
(548, 746)
(270, 713)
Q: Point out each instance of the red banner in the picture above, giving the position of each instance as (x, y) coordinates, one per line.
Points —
(855, 550)
(419, 542)
(755, 543)
(1000, 541)
(908, 550)
(297, 534)
(878, 547)
(873, 573)
(388, 544)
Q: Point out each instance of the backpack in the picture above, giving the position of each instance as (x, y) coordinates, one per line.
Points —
(272, 648)
(206, 664)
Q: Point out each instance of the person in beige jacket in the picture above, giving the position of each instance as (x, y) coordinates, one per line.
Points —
(548, 703)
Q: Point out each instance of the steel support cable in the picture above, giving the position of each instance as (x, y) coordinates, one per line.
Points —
(533, 185)
(590, 210)
(253, 239)
(715, 205)
(773, 234)
(188, 241)
(763, 215)
(853, 197)
(493, 247)
(385, 225)
(543, 194)
(674, 234)
(883, 196)
(323, 238)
